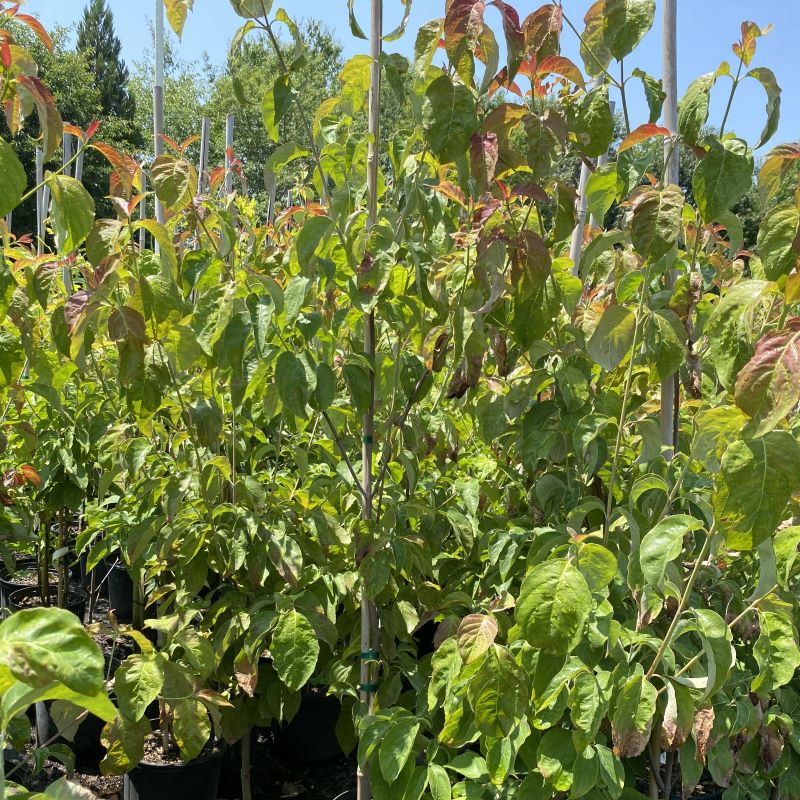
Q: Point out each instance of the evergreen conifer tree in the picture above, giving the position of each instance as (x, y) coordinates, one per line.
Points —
(98, 41)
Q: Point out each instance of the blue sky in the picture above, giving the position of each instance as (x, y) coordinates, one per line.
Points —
(706, 29)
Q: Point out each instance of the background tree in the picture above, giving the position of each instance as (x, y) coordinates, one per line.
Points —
(103, 49)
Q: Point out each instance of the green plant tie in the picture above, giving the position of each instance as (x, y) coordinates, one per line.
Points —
(367, 439)
(368, 687)
(370, 655)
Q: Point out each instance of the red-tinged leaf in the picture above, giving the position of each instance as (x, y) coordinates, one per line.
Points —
(126, 325)
(775, 167)
(768, 386)
(75, 306)
(5, 53)
(216, 176)
(560, 65)
(746, 47)
(73, 130)
(94, 125)
(49, 119)
(644, 132)
(463, 26)
(37, 28)
(532, 191)
(452, 192)
(170, 142)
(515, 38)
(124, 169)
(30, 475)
(542, 30)
(483, 152)
(501, 82)
(188, 142)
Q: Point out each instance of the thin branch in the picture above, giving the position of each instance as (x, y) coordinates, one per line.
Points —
(345, 457)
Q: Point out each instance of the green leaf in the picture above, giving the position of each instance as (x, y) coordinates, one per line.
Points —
(73, 212)
(314, 230)
(124, 743)
(693, 108)
(766, 77)
(653, 92)
(588, 706)
(498, 693)
(14, 180)
(252, 9)
(553, 607)
(633, 715)
(626, 23)
(177, 11)
(292, 382)
(613, 337)
(468, 764)
(716, 638)
(665, 341)
(722, 177)
(283, 155)
(656, 222)
(276, 102)
(43, 645)
(776, 653)
(757, 478)
(555, 759)
(174, 181)
(476, 634)
(768, 386)
(592, 122)
(191, 726)
(294, 649)
(732, 326)
(664, 543)
(138, 682)
(396, 747)
(439, 783)
(597, 564)
(786, 545)
(777, 239)
(448, 118)
(355, 28)
(601, 190)
(355, 80)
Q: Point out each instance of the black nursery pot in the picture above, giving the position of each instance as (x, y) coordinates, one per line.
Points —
(85, 744)
(311, 736)
(76, 599)
(197, 780)
(120, 593)
(10, 583)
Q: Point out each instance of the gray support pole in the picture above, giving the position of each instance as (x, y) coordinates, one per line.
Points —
(369, 616)
(582, 208)
(143, 213)
(79, 166)
(229, 128)
(671, 176)
(202, 166)
(66, 274)
(158, 98)
(41, 205)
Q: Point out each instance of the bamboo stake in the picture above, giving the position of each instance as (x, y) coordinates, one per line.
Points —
(202, 168)
(158, 98)
(669, 387)
(369, 632)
